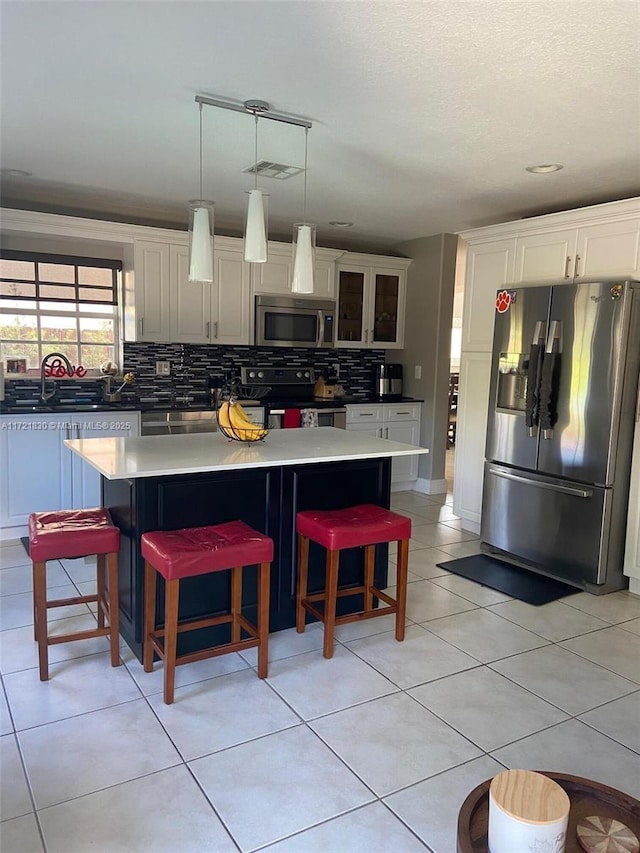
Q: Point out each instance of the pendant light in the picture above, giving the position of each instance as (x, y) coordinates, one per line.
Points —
(201, 232)
(255, 232)
(304, 241)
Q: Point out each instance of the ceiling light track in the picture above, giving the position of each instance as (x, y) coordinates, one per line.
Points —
(254, 107)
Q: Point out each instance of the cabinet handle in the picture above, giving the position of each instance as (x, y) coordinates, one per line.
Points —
(215, 329)
(576, 271)
(566, 267)
(207, 332)
(379, 431)
(78, 431)
(141, 325)
(386, 432)
(365, 415)
(67, 431)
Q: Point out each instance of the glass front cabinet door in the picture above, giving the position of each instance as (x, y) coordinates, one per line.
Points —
(371, 304)
(351, 306)
(386, 306)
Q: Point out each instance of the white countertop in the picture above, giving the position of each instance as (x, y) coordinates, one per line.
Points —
(164, 455)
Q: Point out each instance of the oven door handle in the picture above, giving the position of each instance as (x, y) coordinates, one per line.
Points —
(320, 337)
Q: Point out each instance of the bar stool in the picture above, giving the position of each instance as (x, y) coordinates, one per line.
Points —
(178, 554)
(63, 535)
(362, 526)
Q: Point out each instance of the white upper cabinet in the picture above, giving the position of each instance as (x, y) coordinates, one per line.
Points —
(231, 298)
(274, 277)
(371, 302)
(489, 266)
(190, 301)
(205, 313)
(609, 249)
(151, 291)
(546, 257)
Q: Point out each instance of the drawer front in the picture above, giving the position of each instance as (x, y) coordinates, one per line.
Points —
(364, 414)
(401, 412)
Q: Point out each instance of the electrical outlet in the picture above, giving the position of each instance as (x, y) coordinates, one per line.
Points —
(336, 367)
(163, 368)
(417, 371)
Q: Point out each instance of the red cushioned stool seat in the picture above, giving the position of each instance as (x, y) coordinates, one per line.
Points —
(68, 534)
(362, 526)
(180, 554)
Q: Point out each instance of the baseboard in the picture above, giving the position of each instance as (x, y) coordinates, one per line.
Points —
(430, 487)
(634, 585)
(11, 535)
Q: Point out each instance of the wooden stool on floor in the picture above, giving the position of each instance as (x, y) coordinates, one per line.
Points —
(64, 535)
(356, 527)
(178, 554)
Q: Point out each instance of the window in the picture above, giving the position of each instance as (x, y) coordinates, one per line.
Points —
(54, 303)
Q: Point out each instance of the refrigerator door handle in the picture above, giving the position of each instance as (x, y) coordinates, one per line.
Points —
(532, 403)
(565, 490)
(547, 395)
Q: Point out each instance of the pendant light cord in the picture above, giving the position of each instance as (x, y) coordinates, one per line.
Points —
(304, 202)
(255, 168)
(200, 152)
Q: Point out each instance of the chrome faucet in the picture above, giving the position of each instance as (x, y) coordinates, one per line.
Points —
(44, 394)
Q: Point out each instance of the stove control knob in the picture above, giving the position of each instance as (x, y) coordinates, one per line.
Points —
(306, 374)
(252, 374)
(260, 375)
(298, 374)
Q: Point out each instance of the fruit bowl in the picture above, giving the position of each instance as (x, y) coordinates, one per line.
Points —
(235, 425)
(247, 434)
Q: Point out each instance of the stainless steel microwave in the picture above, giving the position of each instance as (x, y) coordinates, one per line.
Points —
(287, 321)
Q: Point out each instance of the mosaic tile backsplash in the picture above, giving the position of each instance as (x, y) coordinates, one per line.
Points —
(191, 366)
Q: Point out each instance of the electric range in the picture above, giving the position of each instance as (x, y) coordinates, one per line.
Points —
(291, 388)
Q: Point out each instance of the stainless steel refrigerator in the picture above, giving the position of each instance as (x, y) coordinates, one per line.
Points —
(564, 402)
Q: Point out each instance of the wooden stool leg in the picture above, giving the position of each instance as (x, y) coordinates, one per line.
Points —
(331, 596)
(303, 572)
(171, 598)
(369, 558)
(114, 613)
(236, 603)
(149, 615)
(263, 619)
(35, 615)
(40, 614)
(100, 572)
(401, 588)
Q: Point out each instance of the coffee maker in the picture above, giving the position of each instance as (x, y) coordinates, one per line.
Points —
(388, 381)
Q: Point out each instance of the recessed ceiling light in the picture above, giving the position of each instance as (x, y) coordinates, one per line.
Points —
(338, 224)
(543, 168)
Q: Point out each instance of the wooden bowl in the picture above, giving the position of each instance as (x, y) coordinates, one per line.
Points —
(587, 798)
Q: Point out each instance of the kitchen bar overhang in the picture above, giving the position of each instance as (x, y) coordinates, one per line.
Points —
(173, 481)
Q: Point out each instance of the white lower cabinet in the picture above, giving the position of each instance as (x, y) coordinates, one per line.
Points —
(39, 473)
(396, 422)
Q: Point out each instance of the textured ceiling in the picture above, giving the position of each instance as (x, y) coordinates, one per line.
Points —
(424, 114)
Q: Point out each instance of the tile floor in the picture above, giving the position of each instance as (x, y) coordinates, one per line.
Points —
(374, 750)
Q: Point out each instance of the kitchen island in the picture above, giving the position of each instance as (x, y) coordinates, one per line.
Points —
(169, 482)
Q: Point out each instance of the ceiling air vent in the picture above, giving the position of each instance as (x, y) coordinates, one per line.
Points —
(269, 169)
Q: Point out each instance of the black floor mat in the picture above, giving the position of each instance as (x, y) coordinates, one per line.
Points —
(511, 580)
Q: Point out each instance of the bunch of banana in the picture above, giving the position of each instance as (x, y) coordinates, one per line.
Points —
(232, 417)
